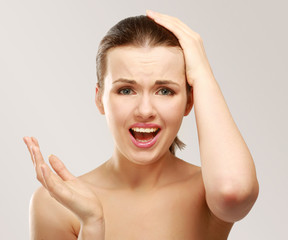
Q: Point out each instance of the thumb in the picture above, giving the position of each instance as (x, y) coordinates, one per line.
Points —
(60, 168)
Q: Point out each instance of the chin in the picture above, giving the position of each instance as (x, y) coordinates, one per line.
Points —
(145, 157)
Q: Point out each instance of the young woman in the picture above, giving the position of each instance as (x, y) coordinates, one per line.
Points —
(151, 70)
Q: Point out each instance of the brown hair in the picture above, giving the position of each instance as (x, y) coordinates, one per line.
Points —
(139, 31)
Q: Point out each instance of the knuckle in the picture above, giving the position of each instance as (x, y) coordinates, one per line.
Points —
(52, 188)
(39, 177)
(52, 194)
(36, 149)
(195, 37)
(198, 37)
(175, 19)
(61, 168)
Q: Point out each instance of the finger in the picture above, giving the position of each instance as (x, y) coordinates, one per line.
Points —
(28, 142)
(164, 18)
(60, 168)
(173, 24)
(37, 155)
(56, 186)
(35, 141)
(157, 15)
(38, 158)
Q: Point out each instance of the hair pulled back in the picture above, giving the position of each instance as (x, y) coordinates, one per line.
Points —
(139, 31)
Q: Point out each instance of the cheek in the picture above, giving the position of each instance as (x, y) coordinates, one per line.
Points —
(173, 110)
(117, 112)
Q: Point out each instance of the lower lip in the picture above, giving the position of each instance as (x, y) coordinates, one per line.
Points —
(147, 144)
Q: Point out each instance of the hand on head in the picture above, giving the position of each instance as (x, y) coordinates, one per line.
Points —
(197, 64)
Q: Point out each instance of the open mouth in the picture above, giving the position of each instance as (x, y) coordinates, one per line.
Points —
(144, 135)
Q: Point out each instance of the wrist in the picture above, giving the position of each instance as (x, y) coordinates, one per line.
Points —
(200, 75)
(94, 230)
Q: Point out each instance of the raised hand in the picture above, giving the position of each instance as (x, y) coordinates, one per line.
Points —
(227, 167)
(71, 192)
(197, 64)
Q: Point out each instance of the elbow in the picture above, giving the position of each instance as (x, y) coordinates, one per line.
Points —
(232, 202)
(237, 194)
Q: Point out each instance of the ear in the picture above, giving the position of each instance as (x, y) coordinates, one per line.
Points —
(98, 100)
(190, 102)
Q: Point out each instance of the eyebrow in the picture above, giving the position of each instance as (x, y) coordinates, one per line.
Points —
(165, 82)
(123, 80)
(158, 82)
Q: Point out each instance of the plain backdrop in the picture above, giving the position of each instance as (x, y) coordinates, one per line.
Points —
(47, 85)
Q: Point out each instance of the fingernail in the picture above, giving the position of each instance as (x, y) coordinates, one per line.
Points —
(50, 156)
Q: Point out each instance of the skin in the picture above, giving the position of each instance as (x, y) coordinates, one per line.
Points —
(149, 193)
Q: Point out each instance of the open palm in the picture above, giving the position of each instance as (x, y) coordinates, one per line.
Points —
(76, 195)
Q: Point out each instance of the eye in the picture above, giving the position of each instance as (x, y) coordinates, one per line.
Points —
(125, 91)
(165, 91)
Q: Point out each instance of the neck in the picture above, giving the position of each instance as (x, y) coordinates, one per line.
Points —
(130, 175)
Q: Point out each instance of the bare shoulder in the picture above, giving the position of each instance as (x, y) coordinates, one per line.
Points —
(190, 181)
(49, 219)
(195, 183)
(100, 178)
(188, 171)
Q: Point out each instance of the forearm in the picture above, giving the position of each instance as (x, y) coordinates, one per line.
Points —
(227, 165)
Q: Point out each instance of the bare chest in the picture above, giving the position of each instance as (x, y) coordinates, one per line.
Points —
(172, 213)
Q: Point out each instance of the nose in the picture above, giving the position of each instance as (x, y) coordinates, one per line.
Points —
(145, 110)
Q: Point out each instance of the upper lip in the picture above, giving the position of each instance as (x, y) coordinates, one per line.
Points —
(145, 125)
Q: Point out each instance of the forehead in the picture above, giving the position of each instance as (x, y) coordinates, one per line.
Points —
(145, 62)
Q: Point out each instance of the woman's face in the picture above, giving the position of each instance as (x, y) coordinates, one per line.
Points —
(144, 100)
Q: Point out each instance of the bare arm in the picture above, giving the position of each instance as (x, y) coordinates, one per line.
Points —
(62, 197)
(48, 219)
(227, 166)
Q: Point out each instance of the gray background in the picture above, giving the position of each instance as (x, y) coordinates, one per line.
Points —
(47, 74)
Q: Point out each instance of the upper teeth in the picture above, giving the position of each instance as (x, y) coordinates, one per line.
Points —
(146, 130)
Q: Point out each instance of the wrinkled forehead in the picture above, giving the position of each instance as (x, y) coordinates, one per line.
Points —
(139, 63)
